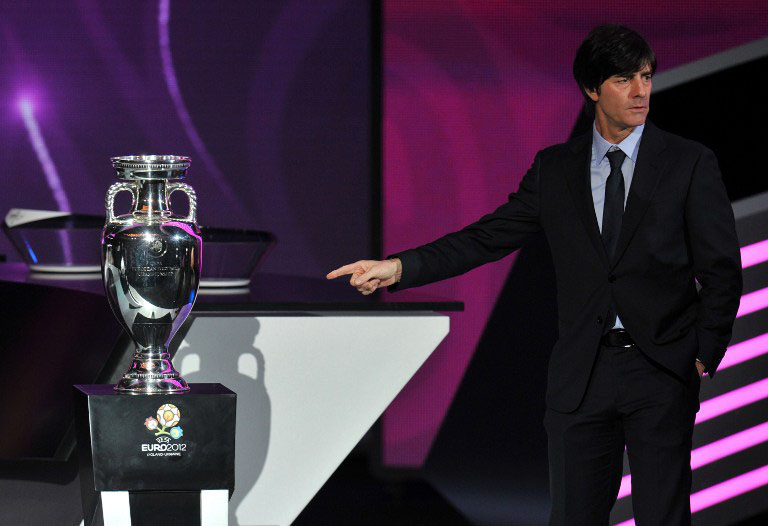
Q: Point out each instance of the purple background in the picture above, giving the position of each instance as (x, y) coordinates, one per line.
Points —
(274, 112)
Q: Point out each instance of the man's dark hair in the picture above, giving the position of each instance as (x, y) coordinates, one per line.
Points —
(607, 51)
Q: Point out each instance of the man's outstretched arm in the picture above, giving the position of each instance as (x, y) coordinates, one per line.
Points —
(492, 237)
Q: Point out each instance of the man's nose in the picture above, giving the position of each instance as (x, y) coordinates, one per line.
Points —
(639, 88)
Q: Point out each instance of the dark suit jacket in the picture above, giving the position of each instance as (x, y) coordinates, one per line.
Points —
(677, 228)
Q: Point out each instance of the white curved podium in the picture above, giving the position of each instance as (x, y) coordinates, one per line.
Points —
(309, 386)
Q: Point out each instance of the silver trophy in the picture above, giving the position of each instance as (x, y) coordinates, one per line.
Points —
(151, 266)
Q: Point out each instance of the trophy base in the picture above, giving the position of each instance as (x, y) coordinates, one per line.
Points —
(171, 385)
(164, 380)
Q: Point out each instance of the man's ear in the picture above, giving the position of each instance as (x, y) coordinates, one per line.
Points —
(593, 94)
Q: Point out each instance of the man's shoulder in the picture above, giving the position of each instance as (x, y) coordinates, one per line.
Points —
(676, 143)
(573, 145)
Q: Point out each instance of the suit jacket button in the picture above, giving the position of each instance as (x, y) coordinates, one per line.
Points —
(600, 320)
(611, 278)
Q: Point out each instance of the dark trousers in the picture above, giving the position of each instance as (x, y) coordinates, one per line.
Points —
(629, 401)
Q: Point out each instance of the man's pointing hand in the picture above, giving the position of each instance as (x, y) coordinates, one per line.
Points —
(367, 275)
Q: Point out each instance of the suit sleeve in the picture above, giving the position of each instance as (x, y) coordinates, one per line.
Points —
(492, 237)
(716, 256)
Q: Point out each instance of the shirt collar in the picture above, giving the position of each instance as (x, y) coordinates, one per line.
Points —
(630, 145)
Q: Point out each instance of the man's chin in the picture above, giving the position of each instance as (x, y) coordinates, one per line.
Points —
(634, 123)
(638, 120)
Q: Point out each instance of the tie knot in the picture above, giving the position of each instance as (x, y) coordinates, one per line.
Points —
(616, 158)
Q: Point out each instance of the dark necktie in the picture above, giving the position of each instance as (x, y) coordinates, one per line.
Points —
(613, 207)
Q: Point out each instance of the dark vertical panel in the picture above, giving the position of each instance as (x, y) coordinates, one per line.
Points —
(724, 112)
(376, 130)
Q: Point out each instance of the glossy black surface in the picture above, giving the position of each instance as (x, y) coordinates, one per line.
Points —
(266, 293)
(51, 338)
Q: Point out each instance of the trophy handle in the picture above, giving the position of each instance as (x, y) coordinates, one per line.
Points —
(110, 200)
(184, 187)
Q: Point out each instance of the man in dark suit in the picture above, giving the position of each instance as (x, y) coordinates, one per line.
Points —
(634, 217)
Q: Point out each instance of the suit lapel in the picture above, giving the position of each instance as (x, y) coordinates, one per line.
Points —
(644, 180)
(577, 168)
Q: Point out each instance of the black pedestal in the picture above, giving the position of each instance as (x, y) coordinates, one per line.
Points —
(163, 449)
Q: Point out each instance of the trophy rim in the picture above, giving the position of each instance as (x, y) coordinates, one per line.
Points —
(152, 159)
(151, 166)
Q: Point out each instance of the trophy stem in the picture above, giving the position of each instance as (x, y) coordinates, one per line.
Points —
(152, 372)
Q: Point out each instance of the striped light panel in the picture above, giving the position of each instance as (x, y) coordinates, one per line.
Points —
(723, 491)
(754, 254)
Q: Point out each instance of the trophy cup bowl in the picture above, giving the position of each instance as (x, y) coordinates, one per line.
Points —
(151, 266)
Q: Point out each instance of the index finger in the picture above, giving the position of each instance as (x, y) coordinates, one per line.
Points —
(341, 271)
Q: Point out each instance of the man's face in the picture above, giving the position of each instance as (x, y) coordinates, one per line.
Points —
(622, 102)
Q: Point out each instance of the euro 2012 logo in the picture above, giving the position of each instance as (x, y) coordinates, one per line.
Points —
(168, 417)
(166, 427)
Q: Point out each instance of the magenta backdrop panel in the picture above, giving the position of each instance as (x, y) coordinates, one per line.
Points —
(472, 90)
